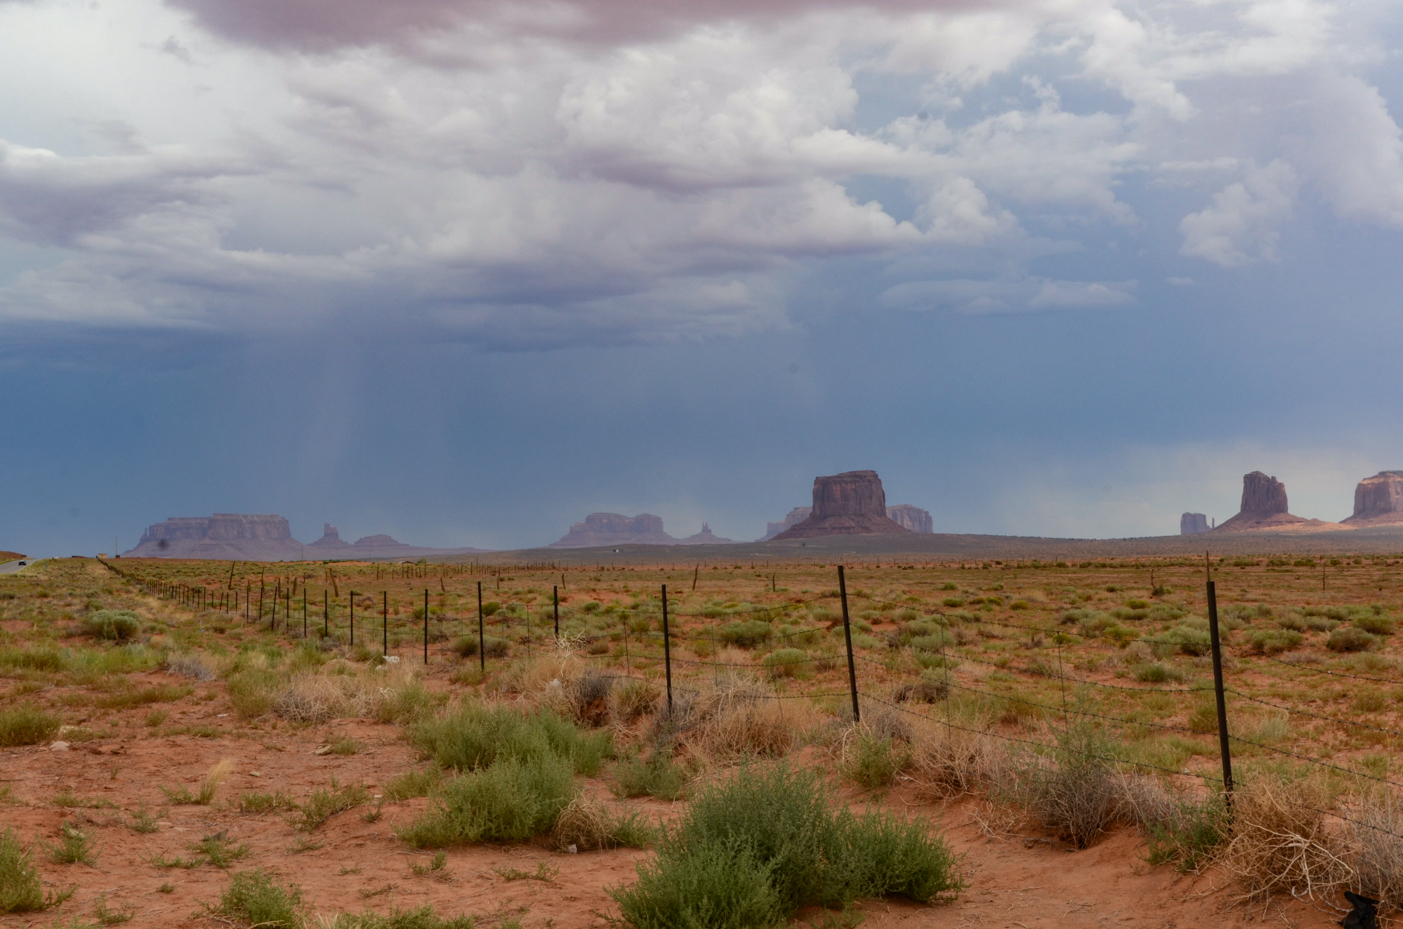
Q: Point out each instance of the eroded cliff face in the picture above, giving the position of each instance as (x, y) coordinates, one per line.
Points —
(600, 529)
(851, 503)
(911, 517)
(1378, 499)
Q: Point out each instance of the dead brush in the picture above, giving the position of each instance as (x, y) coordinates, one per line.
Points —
(316, 698)
(631, 700)
(1280, 843)
(1073, 791)
(950, 762)
(737, 718)
(584, 823)
(589, 698)
(1374, 847)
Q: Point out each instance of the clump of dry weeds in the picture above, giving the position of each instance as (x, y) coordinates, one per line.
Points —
(1280, 843)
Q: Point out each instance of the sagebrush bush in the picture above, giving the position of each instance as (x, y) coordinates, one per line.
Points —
(747, 634)
(787, 662)
(254, 900)
(27, 724)
(1273, 641)
(1375, 624)
(113, 625)
(753, 850)
(1351, 639)
(658, 776)
(512, 800)
(476, 735)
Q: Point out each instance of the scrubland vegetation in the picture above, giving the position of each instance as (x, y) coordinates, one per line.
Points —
(1069, 702)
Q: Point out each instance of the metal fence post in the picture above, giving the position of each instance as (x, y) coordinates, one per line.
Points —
(555, 604)
(1218, 693)
(481, 636)
(667, 654)
(848, 638)
(426, 625)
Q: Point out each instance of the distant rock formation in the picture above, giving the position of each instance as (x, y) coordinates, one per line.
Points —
(705, 537)
(235, 537)
(911, 517)
(262, 537)
(600, 529)
(1264, 507)
(1378, 500)
(1193, 524)
(795, 517)
(851, 503)
(331, 547)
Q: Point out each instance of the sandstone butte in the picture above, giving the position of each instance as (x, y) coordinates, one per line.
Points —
(600, 529)
(1264, 507)
(1193, 524)
(851, 503)
(1378, 500)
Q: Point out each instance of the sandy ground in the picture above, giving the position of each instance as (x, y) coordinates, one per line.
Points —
(1014, 880)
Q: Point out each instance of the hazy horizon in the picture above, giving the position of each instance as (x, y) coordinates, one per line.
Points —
(462, 273)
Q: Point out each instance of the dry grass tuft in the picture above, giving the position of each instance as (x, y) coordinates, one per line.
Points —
(214, 778)
(316, 698)
(1280, 844)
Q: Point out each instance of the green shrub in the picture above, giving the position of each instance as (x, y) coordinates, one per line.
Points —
(1375, 624)
(477, 735)
(1188, 833)
(1351, 639)
(657, 777)
(1273, 641)
(752, 851)
(75, 847)
(786, 662)
(1156, 673)
(876, 761)
(254, 900)
(933, 643)
(27, 724)
(32, 659)
(1191, 640)
(746, 634)
(20, 888)
(253, 690)
(510, 801)
(412, 784)
(465, 646)
(113, 625)
(422, 918)
(325, 803)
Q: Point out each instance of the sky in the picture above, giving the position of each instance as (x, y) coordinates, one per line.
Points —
(465, 271)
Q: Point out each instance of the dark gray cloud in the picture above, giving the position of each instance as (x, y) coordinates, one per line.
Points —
(325, 25)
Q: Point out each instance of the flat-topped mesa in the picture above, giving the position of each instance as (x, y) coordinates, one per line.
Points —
(1263, 506)
(851, 503)
(600, 529)
(911, 517)
(705, 537)
(1378, 500)
(1193, 524)
(254, 537)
